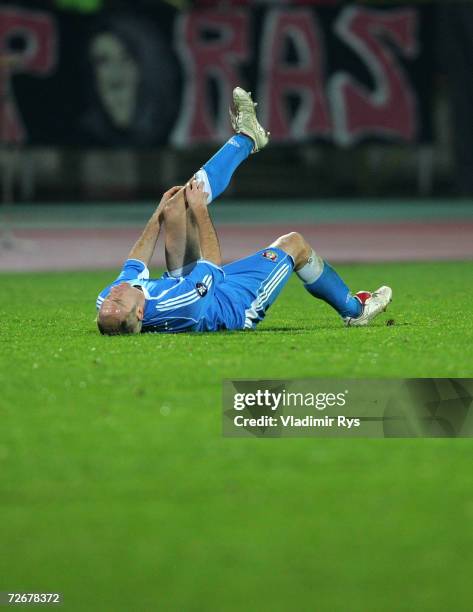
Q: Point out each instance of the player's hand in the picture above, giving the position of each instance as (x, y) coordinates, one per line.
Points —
(168, 195)
(195, 195)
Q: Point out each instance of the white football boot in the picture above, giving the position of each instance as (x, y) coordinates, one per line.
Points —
(372, 304)
(244, 121)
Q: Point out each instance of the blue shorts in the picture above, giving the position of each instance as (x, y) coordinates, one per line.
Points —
(252, 284)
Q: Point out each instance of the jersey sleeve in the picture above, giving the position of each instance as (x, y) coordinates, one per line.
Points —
(132, 269)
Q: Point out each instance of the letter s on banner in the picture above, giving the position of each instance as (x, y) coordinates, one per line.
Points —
(390, 110)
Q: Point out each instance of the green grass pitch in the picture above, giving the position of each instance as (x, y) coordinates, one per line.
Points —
(118, 490)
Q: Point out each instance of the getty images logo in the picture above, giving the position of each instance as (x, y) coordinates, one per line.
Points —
(272, 400)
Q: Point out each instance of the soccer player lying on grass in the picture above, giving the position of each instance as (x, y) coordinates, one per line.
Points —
(197, 293)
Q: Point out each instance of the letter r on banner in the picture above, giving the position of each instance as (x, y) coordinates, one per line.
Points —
(211, 46)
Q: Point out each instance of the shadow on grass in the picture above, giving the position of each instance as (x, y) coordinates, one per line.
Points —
(300, 329)
(294, 330)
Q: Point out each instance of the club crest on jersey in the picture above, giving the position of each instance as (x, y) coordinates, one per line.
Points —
(201, 289)
(272, 255)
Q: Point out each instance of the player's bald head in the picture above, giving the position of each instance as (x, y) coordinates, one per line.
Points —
(114, 324)
(121, 312)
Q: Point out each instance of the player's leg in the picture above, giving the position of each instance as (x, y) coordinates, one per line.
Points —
(249, 138)
(323, 282)
(319, 278)
(182, 238)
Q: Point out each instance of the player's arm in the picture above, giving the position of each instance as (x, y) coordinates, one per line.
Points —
(197, 201)
(143, 248)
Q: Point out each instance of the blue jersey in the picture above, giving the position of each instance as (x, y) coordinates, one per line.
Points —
(209, 298)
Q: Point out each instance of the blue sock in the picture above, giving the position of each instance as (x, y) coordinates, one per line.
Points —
(220, 168)
(330, 288)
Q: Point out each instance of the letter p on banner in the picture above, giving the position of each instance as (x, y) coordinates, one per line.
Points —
(27, 46)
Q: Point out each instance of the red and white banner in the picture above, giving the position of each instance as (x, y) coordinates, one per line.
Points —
(341, 75)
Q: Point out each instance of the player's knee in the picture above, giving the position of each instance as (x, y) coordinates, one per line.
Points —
(292, 241)
(296, 238)
(294, 244)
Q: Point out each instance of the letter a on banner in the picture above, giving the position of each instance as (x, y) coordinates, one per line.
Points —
(302, 77)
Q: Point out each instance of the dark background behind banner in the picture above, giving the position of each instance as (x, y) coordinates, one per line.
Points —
(63, 105)
(58, 108)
